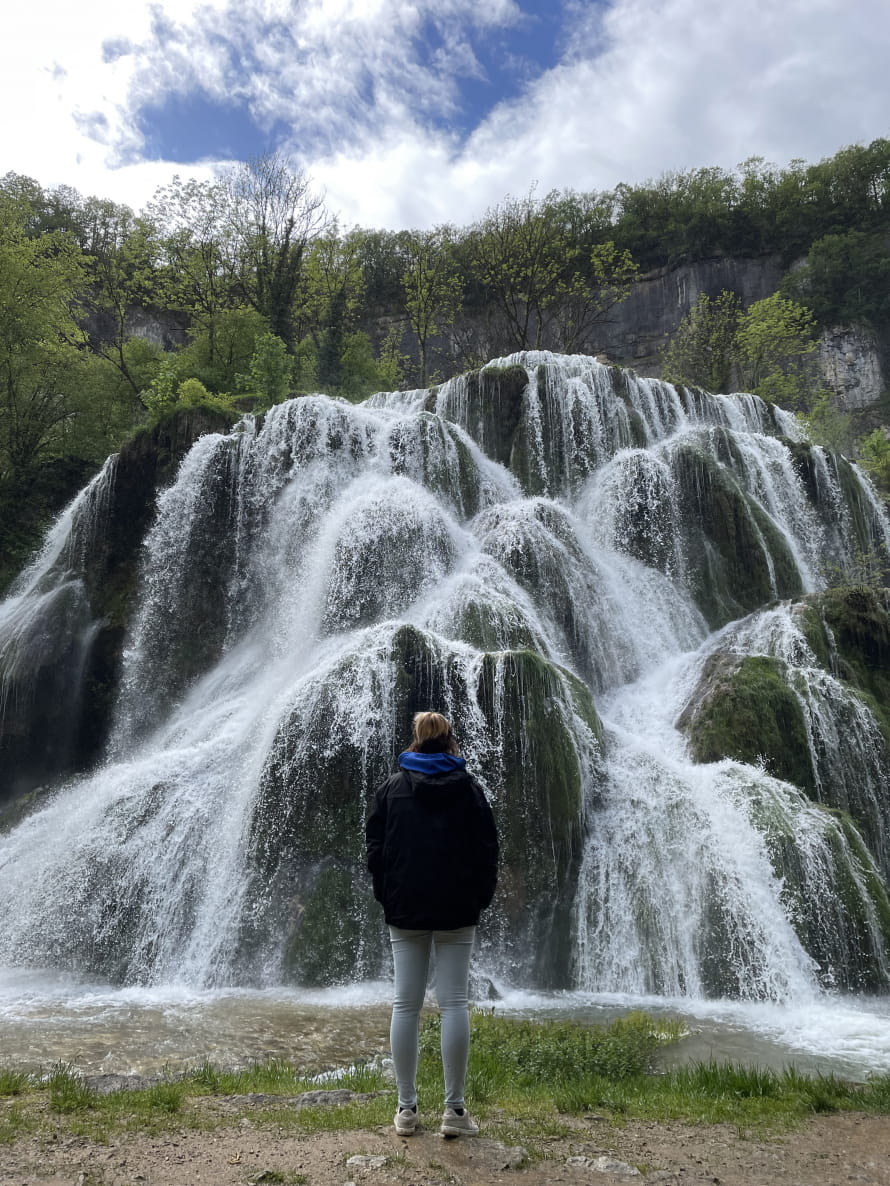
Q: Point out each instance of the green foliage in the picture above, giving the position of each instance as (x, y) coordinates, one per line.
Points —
(510, 1054)
(220, 348)
(433, 288)
(271, 371)
(775, 347)
(768, 348)
(168, 392)
(392, 363)
(252, 253)
(306, 365)
(720, 1093)
(273, 215)
(68, 1092)
(826, 425)
(846, 278)
(755, 209)
(874, 457)
(13, 1083)
(525, 256)
(159, 397)
(702, 350)
(40, 343)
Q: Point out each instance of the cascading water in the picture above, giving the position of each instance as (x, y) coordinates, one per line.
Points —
(45, 636)
(541, 550)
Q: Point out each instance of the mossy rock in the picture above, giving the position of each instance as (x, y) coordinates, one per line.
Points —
(537, 779)
(335, 926)
(61, 725)
(29, 502)
(849, 631)
(744, 709)
(494, 408)
(490, 627)
(536, 543)
(847, 931)
(737, 559)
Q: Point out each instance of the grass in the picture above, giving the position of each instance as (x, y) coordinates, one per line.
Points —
(526, 1081)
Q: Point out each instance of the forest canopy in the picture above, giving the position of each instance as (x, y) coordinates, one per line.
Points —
(242, 290)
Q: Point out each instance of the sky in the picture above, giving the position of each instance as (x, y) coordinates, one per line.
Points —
(410, 114)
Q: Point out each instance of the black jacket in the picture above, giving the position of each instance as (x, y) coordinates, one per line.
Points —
(432, 850)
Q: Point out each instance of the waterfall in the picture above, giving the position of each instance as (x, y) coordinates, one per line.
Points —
(556, 554)
(46, 629)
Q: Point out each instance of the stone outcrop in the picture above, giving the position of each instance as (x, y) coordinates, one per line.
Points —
(851, 366)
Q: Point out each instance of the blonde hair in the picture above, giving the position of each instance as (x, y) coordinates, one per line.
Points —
(431, 733)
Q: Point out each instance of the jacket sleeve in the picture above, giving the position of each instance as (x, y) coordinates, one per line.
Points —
(487, 849)
(375, 834)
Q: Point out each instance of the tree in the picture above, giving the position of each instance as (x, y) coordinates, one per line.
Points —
(124, 272)
(273, 215)
(846, 278)
(826, 425)
(200, 271)
(703, 349)
(874, 457)
(271, 370)
(41, 282)
(432, 286)
(775, 348)
(583, 303)
(520, 253)
(220, 349)
(331, 284)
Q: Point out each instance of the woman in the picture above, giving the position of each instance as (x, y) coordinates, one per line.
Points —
(432, 852)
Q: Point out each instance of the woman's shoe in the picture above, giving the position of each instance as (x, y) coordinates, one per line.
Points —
(458, 1123)
(406, 1122)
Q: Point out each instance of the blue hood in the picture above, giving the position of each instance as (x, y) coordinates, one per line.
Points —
(431, 763)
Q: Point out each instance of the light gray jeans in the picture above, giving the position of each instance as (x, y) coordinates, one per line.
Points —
(411, 959)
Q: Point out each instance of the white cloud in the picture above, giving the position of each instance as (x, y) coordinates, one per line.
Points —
(647, 86)
(643, 86)
(67, 108)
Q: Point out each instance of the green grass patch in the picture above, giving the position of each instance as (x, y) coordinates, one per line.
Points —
(276, 1077)
(526, 1080)
(16, 1121)
(13, 1083)
(719, 1093)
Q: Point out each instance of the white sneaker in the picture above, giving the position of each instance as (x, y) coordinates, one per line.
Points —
(406, 1122)
(458, 1125)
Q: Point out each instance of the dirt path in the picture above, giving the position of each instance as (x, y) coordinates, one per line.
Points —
(835, 1150)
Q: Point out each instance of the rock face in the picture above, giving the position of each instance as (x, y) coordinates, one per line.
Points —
(640, 327)
(851, 364)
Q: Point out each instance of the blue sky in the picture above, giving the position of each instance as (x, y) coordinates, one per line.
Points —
(412, 112)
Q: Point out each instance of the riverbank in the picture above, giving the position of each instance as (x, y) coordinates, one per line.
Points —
(557, 1102)
(247, 1151)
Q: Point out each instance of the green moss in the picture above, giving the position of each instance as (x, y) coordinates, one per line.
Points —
(854, 623)
(485, 626)
(330, 912)
(495, 400)
(537, 777)
(735, 552)
(29, 502)
(875, 887)
(813, 629)
(747, 711)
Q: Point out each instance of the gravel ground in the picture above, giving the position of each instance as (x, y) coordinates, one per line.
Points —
(828, 1151)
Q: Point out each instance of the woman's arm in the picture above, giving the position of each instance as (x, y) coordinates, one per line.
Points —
(375, 834)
